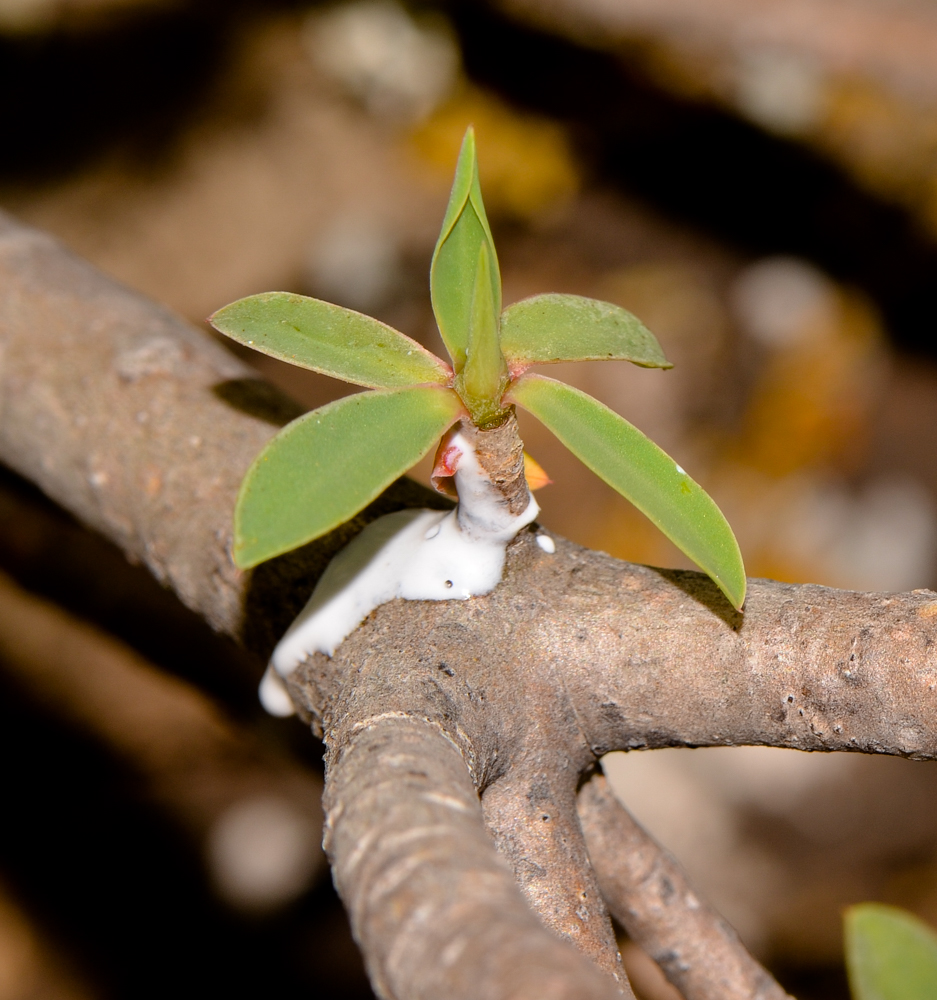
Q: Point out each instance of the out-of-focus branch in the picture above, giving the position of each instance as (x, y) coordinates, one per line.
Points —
(32, 966)
(237, 800)
(897, 44)
(855, 81)
(649, 895)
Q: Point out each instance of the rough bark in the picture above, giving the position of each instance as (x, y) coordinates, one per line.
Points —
(143, 426)
(440, 718)
(501, 454)
(436, 911)
(650, 897)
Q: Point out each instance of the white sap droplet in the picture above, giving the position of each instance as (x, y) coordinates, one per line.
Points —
(680, 469)
(546, 543)
(419, 555)
(273, 695)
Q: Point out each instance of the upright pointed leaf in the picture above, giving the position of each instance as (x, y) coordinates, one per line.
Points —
(324, 467)
(452, 274)
(484, 376)
(890, 954)
(329, 339)
(631, 463)
(548, 328)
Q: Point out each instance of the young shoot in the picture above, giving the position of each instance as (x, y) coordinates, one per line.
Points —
(323, 468)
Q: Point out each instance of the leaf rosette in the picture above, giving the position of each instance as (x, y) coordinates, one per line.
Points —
(323, 468)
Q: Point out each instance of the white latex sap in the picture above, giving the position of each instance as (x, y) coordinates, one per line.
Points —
(419, 555)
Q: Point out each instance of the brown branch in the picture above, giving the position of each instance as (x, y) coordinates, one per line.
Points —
(435, 910)
(143, 426)
(117, 409)
(531, 816)
(649, 895)
(501, 454)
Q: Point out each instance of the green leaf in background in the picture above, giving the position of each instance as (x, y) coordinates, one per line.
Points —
(631, 463)
(329, 339)
(452, 273)
(890, 954)
(548, 328)
(323, 468)
(482, 380)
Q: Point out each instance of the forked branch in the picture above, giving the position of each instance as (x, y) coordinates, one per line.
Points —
(440, 718)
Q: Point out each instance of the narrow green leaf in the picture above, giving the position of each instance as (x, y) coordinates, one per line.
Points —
(549, 328)
(452, 273)
(323, 468)
(329, 339)
(890, 954)
(466, 169)
(631, 463)
(482, 381)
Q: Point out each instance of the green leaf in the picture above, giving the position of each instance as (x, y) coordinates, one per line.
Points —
(549, 328)
(631, 463)
(464, 231)
(890, 954)
(323, 468)
(329, 339)
(482, 381)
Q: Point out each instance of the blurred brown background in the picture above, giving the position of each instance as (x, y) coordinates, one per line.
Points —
(757, 181)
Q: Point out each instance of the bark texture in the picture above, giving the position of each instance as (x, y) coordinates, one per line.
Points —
(650, 897)
(450, 727)
(501, 454)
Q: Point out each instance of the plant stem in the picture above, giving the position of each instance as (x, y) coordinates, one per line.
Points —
(500, 453)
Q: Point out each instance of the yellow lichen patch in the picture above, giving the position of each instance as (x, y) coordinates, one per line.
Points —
(526, 166)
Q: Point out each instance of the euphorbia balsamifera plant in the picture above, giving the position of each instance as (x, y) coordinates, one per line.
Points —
(327, 465)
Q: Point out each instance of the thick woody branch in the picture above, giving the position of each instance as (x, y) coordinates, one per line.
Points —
(143, 427)
(649, 895)
(436, 912)
(531, 816)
